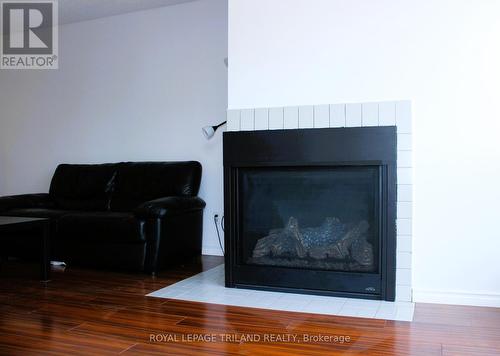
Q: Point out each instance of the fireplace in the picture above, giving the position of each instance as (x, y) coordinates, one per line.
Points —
(312, 211)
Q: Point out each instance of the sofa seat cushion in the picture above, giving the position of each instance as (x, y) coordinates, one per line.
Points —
(36, 213)
(101, 227)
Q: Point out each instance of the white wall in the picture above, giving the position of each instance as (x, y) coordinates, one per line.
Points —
(130, 88)
(443, 55)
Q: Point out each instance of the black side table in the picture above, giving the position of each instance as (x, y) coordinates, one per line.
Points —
(9, 224)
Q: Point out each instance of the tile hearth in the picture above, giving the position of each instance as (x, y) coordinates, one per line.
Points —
(208, 287)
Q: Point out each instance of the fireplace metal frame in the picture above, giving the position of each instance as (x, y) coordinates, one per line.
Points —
(334, 147)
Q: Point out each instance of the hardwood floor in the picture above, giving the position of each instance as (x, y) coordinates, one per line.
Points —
(94, 312)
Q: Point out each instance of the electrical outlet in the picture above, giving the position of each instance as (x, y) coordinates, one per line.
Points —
(217, 217)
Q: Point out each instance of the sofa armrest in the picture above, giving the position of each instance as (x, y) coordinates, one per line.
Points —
(25, 201)
(162, 207)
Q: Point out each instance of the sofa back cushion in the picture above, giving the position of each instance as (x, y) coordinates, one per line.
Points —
(85, 187)
(139, 182)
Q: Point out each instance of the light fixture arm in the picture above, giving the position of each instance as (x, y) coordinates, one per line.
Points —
(221, 124)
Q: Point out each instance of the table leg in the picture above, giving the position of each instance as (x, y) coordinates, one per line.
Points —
(45, 255)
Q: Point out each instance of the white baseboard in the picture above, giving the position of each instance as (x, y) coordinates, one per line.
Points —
(212, 251)
(457, 298)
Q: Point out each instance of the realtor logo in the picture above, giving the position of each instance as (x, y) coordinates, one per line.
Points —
(29, 35)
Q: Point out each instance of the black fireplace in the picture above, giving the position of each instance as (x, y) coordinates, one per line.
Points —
(312, 211)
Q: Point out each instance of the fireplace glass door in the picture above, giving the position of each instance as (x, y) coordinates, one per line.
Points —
(313, 218)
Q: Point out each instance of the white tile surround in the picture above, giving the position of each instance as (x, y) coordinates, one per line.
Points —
(208, 287)
(354, 115)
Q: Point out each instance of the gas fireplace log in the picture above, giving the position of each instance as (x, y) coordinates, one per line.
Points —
(290, 242)
(343, 248)
(284, 242)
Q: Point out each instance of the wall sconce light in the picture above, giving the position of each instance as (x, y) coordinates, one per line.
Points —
(209, 131)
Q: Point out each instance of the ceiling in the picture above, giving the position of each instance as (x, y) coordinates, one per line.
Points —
(82, 10)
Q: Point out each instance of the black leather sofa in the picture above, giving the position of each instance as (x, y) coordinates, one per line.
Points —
(132, 216)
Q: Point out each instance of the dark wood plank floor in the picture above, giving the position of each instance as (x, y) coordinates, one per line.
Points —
(94, 312)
